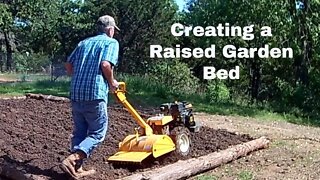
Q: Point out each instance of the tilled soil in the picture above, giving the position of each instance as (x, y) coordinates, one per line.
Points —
(35, 137)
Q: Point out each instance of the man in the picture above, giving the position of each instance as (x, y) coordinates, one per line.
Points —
(91, 67)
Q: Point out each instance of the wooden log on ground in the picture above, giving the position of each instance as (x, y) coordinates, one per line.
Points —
(191, 167)
(13, 98)
(47, 97)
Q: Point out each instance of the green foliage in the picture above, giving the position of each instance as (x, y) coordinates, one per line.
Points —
(6, 18)
(31, 63)
(138, 83)
(141, 26)
(217, 91)
(147, 83)
(289, 84)
(176, 76)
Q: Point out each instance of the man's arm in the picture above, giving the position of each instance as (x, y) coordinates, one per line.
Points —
(107, 71)
(109, 60)
(69, 68)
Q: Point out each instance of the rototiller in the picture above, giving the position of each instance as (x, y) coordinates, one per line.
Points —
(167, 132)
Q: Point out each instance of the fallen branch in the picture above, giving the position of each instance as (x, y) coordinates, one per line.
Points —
(14, 97)
(190, 167)
(47, 97)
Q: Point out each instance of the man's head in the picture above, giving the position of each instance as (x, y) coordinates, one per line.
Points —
(106, 24)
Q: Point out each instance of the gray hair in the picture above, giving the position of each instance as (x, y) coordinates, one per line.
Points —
(103, 28)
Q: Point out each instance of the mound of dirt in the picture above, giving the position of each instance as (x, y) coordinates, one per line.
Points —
(35, 137)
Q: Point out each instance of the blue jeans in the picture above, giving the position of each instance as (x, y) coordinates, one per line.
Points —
(90, 125)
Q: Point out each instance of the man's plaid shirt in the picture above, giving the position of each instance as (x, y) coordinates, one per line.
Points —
(87, 82)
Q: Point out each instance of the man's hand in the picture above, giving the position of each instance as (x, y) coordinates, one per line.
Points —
(114, 85)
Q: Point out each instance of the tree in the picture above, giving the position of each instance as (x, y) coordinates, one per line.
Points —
(291, 27)
(6, 25)
(142, 23)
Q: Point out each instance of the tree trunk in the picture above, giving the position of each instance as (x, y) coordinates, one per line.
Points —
(1, 53)
(191, 167)
(64, 47)
(255, 80)
(8, 43)
(1, 60)
(301, 62)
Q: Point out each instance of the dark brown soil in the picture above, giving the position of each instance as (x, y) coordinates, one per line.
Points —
(35, 137)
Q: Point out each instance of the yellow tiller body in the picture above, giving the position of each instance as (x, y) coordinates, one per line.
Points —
(139, 146)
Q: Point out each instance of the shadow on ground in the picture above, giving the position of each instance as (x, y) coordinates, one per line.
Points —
(16, 170)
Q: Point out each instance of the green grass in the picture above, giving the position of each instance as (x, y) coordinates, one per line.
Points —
(145, 92)
(59, 88)
(279, 143)
(245, 175)
(246, 111)
(24, 77)
(207, 177)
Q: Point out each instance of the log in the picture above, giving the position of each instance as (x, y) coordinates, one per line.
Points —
(13, 98)
(47, 97)
(191, 167)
